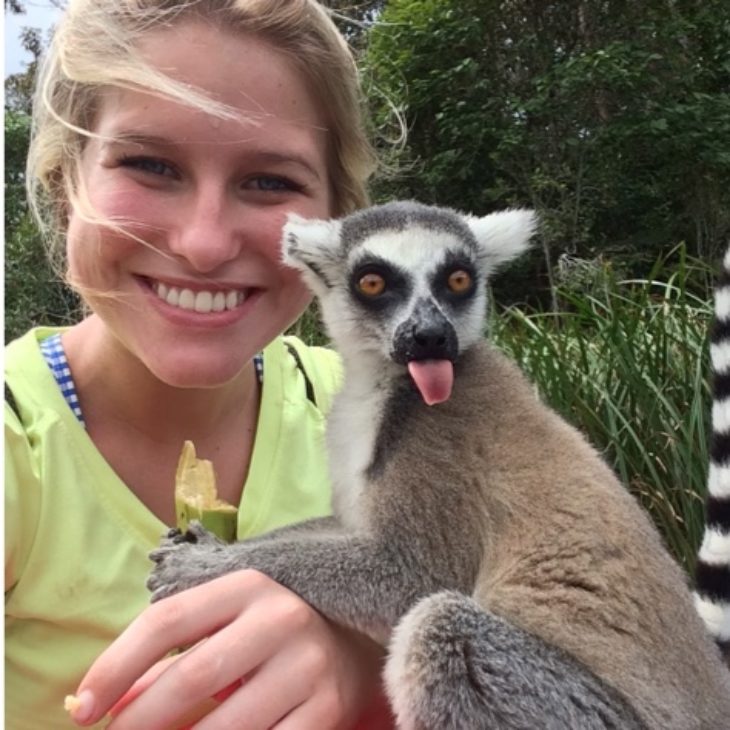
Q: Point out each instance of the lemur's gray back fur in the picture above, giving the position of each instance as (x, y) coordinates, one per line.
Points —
(515, 582)
(712, 574)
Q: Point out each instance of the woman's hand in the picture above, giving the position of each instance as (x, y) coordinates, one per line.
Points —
(270, 660)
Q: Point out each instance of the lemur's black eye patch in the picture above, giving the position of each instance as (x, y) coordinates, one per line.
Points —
(377, 283)
(456, 278)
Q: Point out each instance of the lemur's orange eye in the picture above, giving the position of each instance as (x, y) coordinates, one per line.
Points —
(459, 281)
(371, 284)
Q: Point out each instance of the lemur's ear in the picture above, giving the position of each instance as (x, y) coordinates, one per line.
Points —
(503, 236)
(313, 247)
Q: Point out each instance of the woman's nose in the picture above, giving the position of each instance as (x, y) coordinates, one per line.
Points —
(206, 233)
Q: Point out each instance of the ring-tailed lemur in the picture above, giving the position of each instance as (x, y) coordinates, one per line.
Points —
(712, 572)
(516, 583)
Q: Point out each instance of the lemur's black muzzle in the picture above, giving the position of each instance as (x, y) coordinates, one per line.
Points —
(426, 335)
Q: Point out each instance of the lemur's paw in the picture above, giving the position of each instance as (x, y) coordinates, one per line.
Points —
(184, 560)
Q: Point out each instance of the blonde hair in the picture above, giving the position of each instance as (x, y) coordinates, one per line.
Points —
(95, 46)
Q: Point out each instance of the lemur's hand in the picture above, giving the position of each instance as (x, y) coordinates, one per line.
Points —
(186, 559)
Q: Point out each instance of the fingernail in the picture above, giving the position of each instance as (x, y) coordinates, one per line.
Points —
(84, 706)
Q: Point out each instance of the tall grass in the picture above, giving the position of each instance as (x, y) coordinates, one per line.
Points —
(626, 364)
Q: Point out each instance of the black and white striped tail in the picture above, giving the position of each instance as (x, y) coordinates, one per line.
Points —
(712, 596)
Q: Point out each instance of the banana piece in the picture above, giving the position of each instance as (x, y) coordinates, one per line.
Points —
(71, 703)
(196, 497)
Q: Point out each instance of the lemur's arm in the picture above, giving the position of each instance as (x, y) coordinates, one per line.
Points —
(354, 580)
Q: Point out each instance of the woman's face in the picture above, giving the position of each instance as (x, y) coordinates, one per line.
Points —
(208, 197)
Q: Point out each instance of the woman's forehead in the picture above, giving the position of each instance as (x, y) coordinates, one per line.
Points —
(262, 93)
(240, 70)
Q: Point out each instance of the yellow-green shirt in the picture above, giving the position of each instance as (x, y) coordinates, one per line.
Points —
(77, 539)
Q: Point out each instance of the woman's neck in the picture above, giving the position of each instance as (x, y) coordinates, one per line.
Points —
(112, 383)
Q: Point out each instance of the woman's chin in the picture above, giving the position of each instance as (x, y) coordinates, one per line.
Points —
(203, 374)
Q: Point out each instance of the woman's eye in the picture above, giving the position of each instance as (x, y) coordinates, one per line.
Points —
(150, 165)
(272, 183)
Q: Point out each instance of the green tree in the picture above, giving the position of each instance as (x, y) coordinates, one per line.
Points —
(608, 117)
(34, 293)
(19, 86)
(355, 17)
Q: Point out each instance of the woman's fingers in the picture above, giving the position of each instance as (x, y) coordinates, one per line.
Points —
(151, 676)
(305, 670)
(141, 684)
(179, 620)
(263, 630)
(298, 670)
(258, 704)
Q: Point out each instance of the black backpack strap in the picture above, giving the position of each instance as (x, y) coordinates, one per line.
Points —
(10, 400)
(309, 388)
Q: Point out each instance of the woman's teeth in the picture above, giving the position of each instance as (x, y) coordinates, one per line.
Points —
(203, 302)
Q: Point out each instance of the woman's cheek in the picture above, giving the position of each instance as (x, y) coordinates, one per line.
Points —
(102, 238)
(132, 216)
(141, 212)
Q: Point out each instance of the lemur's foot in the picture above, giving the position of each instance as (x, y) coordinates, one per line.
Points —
(184, 560)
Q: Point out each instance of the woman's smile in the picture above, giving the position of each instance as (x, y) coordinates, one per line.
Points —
(199, 304)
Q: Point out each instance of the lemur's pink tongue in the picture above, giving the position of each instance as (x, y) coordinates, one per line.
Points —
(433, 378)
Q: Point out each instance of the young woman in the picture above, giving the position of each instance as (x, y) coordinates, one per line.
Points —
(171, 139)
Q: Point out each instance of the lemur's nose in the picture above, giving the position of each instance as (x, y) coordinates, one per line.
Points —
(426, 335)
(430, 337)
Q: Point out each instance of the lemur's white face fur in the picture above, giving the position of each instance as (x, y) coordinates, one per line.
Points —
(405, 281)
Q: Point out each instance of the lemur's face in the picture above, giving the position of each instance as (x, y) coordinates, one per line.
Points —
(402, 281)
(415, 296)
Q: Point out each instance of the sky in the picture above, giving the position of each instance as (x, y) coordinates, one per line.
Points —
(39, 14)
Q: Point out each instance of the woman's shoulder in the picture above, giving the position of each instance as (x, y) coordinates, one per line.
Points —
(24, 351)
(38, 420)
(30, 389)
(26, 420)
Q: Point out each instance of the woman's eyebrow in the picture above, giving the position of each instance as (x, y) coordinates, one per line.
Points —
(135, 138)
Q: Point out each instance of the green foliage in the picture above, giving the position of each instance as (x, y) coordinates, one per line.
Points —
(627, 366)
(309, 327)
(610, 118)
(354, 17)
(19, 86)
(17, 135)
(34, 293)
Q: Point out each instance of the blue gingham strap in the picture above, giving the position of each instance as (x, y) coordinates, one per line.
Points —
(54, 355)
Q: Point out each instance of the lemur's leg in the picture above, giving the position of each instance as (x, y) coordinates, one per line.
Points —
(453, 666)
